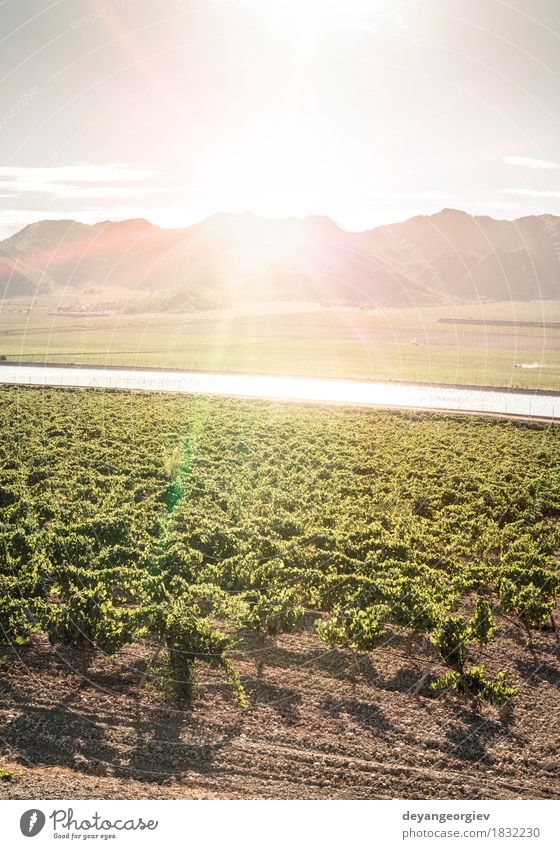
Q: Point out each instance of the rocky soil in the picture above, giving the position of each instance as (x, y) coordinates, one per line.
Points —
(317, 727)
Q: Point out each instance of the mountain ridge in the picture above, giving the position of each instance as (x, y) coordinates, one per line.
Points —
(449, 256)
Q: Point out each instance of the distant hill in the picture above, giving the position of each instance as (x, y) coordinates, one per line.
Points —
(443, 258)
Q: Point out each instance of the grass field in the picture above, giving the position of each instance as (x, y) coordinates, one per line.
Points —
(396, 344)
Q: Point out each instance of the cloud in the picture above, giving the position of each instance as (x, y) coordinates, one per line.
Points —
(529, 162)
(20, 188)
(79, 173)
(532, 193)
(81, 181)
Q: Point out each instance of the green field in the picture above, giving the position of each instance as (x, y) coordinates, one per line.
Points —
(395, 344)
(126, 516)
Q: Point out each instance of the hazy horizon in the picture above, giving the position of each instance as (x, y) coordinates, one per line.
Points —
(271, 218)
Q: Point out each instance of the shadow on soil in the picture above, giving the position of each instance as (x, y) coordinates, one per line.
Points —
(80, 733)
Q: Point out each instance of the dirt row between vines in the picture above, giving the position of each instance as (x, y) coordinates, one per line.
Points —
(316, 727)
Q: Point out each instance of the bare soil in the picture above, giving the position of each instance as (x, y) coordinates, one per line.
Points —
(317, 727)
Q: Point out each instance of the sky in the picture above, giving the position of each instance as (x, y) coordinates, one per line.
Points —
(367, 111)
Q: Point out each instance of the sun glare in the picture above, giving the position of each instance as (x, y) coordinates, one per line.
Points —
(270, 175)
(292, 158)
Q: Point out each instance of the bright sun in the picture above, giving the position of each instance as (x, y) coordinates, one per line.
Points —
(270, 174)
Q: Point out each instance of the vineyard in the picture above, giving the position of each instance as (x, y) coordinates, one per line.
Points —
(214, 551)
